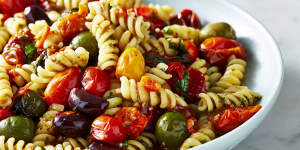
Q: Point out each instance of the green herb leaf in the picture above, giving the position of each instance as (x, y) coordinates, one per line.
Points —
(183, 84)
(111, 95)
(168, 31)
(30, 50)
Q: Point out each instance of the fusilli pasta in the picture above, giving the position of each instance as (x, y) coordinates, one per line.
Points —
(53, 15)
(69, 4)
(5, 88)
(128, 3)
(125, 38)
(158, 73)
(113, 106)
(14, 24)
(143, 142)
(130, 89)
(13, 144)
(164, 12)
(108, 49)
(57, 63)
(162, 45)
(4, 36)
(23, 73)
(234, 96)
(188, 33)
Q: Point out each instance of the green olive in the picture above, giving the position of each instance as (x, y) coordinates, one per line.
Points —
(220, 29)
(18, 127)
(171, 129)
(87, 41)
(31, 105)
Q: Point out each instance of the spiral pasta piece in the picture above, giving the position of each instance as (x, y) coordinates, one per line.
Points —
(204, 135)
(135, 24)
(162, 45)
(187, 33)
(143, 142)
(125, 38)
(128, 3)
(213, 74)
(130, 89)
(6, 92)
(14, 24)
(158, 73)
(53, 15)
(56, 63)
(13, 144)
(108, 49)
(69, 4)
(233, 75)
(4, 37)
(235, 96)
(23, 73)
(164, 12)
(114, 103)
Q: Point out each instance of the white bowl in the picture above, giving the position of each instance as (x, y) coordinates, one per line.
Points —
(264, 71)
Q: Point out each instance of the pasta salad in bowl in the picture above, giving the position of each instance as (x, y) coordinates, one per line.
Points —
(126, 75)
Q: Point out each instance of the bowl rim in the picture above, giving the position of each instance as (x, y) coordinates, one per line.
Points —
(274, 97)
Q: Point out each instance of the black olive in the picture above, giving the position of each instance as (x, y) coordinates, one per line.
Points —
(71, 124)
(96, 145)
(34, 13)
(87, 103)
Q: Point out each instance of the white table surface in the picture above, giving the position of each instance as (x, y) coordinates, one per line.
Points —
(281, 129)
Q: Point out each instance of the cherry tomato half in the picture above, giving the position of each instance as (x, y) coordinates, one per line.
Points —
(191, 49)
(134, 120)
(58, 89)
(13, 6)
(189, 18)
(232, 118)
(218, 49)
(95, 81)
(149, 84)
(108, 129)
(144, 11)
(176, 69)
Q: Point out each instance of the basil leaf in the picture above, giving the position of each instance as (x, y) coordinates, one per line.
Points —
(30, 50)
(183, 84)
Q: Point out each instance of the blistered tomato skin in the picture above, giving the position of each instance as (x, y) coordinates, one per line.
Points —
(192, 49)
(86, 103)
(189, 18)
(58, 89)
(217, 50)
(196, 85)
(131, 64)
(96, 81)
(176, 69)
(71, 124)
(13, 6)
(108, 129)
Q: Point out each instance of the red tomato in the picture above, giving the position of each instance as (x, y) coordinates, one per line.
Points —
(95, 81)
(192, 125)
(108, 129)
(232, 118)
(4, 113)
(134, 120)
(144, 11)
(176, 69)
(58, 89)
(196, 85)
(218, 49)
(14, 56)
(192, 49)
(189, 18)
(13, 6)
(149, 84)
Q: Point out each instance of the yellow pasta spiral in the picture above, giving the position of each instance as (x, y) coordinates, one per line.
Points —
(114, 103)
(213, 74)
(13, 144)
(164, 12)
(69, 4)
(158, 73)
(130, 89)
(235, 96)
(143, 142)
(23, 73)
(128, 3)
(162, 45)
(14, 24)
(187, 33)
(108, 50)
(6, 92)
(204, 135)
(4, 36)
(125, 38)
(233, 75)
(56, 63)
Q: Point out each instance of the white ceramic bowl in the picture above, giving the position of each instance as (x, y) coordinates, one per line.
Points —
(264, 71)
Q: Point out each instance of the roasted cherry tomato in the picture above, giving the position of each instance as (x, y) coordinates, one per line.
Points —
(189, 18)
(232, 118)
(108, 129)
(191, 49)
(95, 81)
(217, 50)
(144, 11)
(58, 89)
(13, 6)
(176, 69)
(131, 64)
(14, 56)
(72, 24)
(134, 120)
(192, 125)
(196, 85)
(4, 113)
(149, 84)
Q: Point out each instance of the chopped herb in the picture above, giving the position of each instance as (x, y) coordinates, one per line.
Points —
(125, 144)
(30, 50)
(167, 31)
(74, 108)
(157, 59)
(178, 46)
(163, 69)
(153, 15)
(182, 85)
(112, 38)
(111, 95)
(127, 124)
(223, 100)
(203, 141)
(144, 143)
